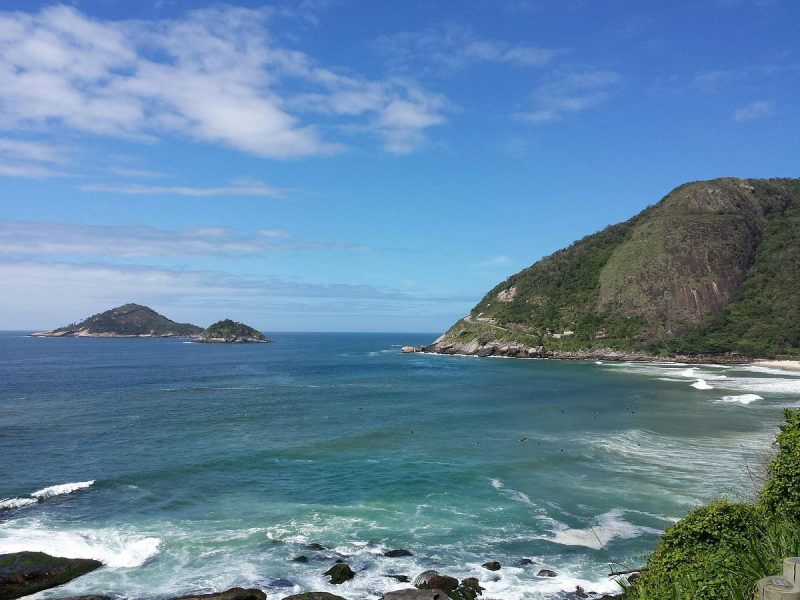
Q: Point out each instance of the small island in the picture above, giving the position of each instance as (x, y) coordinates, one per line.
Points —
(231, 332)
(128, 320)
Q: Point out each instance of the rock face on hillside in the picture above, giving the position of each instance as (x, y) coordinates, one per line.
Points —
(231, 332)
(128, 320)
(712, 269)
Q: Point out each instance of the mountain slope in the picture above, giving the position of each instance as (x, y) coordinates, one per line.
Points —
(231, 332)
(712, 268)
(128, 320)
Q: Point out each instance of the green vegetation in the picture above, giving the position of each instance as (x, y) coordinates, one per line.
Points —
(129, 320)
(713, 268)
(230, 332)
(719, 551)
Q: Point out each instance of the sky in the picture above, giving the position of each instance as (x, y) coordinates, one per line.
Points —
(359, 165)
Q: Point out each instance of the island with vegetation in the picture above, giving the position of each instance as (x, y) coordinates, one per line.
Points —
(231, 332)
(711, 272)
(128, 320)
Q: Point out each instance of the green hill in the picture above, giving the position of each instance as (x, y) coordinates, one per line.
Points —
(229, 332)
(713, 269)
(128, 320)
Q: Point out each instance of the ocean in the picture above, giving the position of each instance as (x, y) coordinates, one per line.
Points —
(198, 467)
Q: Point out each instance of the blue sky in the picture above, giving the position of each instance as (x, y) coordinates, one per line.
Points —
(352, 165)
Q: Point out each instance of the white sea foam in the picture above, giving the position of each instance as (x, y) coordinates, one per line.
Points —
(114, 548)
(702, 384)
(64, 488)
(607, 527)
(9, 503)
(513, 494)
(741, 399)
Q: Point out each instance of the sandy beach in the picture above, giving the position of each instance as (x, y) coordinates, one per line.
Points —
(788, 365)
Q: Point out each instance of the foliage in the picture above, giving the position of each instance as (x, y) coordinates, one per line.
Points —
(781, 493)
(133, 319)
(228, 329)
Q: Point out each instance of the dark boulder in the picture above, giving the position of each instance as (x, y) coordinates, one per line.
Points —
(526, 561)
(339, 573)
(315, 546)
(400, 578)
(398, 553)
(492, 565)
(547, 573)
(469, 589)
(236, 593)
(431, 580)
(89, 597)
(301, 559)
(24, 573)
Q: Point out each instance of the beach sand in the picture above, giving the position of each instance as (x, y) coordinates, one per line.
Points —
(788, 365)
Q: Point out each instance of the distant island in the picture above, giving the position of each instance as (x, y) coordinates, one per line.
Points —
(231, 332)
(710, 271)
(135, 320)
(128, 320)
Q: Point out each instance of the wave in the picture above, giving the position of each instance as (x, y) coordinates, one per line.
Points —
(741, 399)
(702, 384)
(61, 489)
(11, 503)
(114, 548)
(607, 527)
(513, 494)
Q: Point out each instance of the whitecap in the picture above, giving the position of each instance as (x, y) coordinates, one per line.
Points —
(64, 488)
(741, 399)
(114, 548)
(608, 526)
(702, 384)
(9, 503)
(513, 494)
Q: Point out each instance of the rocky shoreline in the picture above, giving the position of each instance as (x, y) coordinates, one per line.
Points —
(25, 573)
(504, 349)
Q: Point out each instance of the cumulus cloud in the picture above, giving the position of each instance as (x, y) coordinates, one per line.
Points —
(44, 239)
(760, 109)
(564, 93)
(214, 76)
(454, 48)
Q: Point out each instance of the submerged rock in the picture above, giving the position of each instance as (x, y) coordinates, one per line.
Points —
(236, 593)
(547, 573)
(400, 578)
(24, 573)
(526, 561)
(432, 580)
(398, 553)
(339, 573)
(300, 559)
(315, 546)
(492, 565)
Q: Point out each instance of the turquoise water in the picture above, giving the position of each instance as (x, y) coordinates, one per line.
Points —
(213, 466)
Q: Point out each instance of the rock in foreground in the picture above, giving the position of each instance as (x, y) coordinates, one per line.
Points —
(314, 596)
(339, 573)
(231, 332)
(25, 573)
(415, 594)
(236, 593)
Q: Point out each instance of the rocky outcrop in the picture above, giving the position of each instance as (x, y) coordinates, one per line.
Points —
(128, 320)
(398, 553)
(416, 594)
(314, 596)
(25, 573)
(433, 580)
(339, 573)
(492, 565)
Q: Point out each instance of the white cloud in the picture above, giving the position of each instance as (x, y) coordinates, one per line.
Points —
(454, 48)
(760, 109)
(24, 158)
(570, 92)
(494, 261)
(135, 189)
(215, 76)
(45, 239)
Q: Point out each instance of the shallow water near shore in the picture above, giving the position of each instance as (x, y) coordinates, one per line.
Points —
(193, 468)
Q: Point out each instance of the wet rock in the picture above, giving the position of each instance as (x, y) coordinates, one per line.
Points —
(398, 553)
(90, 597)
(526, 561)
(315, 546)
(432, 580)
(300, 559)
(400, 578)
(415, 594)
(469, 589)
(24, 573)
(236, 593)
(280, 583)
(339, 573)
(492, 565)
(314, 596)
(547, 573)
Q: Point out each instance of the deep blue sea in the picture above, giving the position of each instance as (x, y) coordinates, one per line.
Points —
(193, 467)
